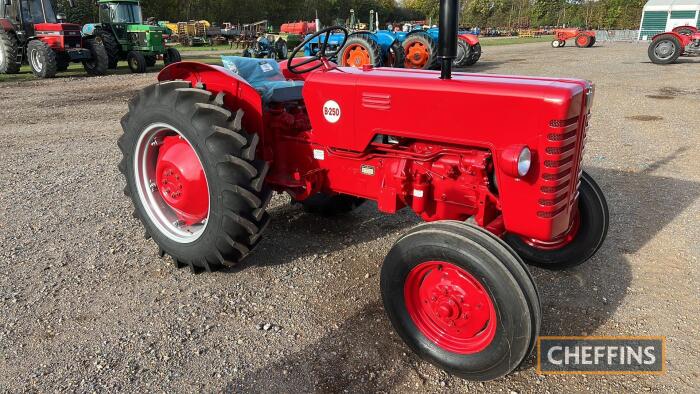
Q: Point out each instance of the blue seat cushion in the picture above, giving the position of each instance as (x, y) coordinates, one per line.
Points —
(266, 77)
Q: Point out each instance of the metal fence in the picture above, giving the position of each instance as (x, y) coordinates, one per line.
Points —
(617, 35)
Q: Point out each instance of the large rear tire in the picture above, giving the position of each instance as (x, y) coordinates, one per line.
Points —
(171, 113)
(474, 55)
(665, 49)
(9, 48)
(111, 46)
(588, 233)
(359, 50)
(461, 299)
(583, 40)
(99, 63)
(420, 50)
(42, 59)
(463, 52)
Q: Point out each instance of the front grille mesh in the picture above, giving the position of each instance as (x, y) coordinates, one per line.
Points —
(562, 159)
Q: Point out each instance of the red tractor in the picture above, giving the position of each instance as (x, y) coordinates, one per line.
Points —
(666, 47)
(205, 147)
(32, 32)
(582, 38)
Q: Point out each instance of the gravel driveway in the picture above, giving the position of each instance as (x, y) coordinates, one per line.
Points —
(87, 305)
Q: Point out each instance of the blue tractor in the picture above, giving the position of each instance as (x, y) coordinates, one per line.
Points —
(416, 48)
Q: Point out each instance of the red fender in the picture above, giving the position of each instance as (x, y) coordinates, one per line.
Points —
(471, 39)
(691, 28)
(238, 94)
(684, 40)
(6, 25)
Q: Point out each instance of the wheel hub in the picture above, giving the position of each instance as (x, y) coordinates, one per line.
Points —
(417, 56)
(357, 56)
(664, 49)
(181, 181)
(450, 307)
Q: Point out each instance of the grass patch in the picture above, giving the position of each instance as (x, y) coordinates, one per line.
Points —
(485, 42)
(222, 48)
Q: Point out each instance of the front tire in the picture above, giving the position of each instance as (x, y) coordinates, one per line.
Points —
(171, 56)
(235, 217)
(99, 63)
(665, 49)
(591, 228)
(137, 62)
(461, 299)
(42, 59)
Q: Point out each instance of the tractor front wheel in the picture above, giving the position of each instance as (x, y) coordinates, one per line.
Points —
(136, 61)
(42, 59)
(192, 174)
(664, 49)
(461, 299)
(586, 235)
(555, 44)
(171, 56)
(99, 62)
(9, 48)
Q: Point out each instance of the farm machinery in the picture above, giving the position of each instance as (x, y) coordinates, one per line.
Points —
(415, 48)
(33, 33)
(666, 47)
(205, 147)
(126, 37)
(582, 38)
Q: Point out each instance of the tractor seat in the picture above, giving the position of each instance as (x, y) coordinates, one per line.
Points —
(265, 76)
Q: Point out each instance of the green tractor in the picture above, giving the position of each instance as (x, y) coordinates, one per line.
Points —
(126, 37)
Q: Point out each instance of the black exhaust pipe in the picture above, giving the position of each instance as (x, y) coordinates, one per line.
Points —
(447, 39)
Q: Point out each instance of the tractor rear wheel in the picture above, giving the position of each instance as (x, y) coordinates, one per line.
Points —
(461, 299)
(360, 49)
(583, 40)
(474, 55)
(99, 63)
(587, 233)
(281, 49)
(136, 61)
(111, 45)
(664, 49)
(420, 50)
(395, 56)
(9, 48)
(592, 42)
(42, 59)
(463, 52)
(171, 56)
(193, 176)
(329, 205)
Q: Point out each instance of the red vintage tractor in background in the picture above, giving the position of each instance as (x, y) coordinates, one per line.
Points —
(666, 47)
(32, 32)
(582, 38)
(205, 147)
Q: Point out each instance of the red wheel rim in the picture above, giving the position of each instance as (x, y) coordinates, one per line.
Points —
(582, 40)
(560, 241)
(417, 55)
(356, 55)
(181, 181)
(450, 307)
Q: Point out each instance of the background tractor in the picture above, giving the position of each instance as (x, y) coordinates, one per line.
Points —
(582, 38)
(126, 37)
(205, 147)
(31, 32)
(666, 47)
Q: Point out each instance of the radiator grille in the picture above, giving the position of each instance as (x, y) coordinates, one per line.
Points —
(562, 156)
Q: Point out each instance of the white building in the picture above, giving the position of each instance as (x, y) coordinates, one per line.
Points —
(659, 16)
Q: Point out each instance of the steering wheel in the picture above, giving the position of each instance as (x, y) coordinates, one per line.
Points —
(321, 55)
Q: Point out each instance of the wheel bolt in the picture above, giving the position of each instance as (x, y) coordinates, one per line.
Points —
(153, 186)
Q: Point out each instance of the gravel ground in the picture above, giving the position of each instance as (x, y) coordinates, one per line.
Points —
(87, 305)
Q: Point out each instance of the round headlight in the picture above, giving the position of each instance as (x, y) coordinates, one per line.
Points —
(524, 161)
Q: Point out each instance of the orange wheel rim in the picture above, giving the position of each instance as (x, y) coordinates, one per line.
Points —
(417, 55)
(356, 55)
(582, 40)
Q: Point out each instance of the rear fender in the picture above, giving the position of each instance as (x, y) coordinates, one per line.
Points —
(469, 38)
(238, 94)
(684, 40)
(6, 25)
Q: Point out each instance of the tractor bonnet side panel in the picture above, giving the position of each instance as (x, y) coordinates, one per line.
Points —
(493, 113)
